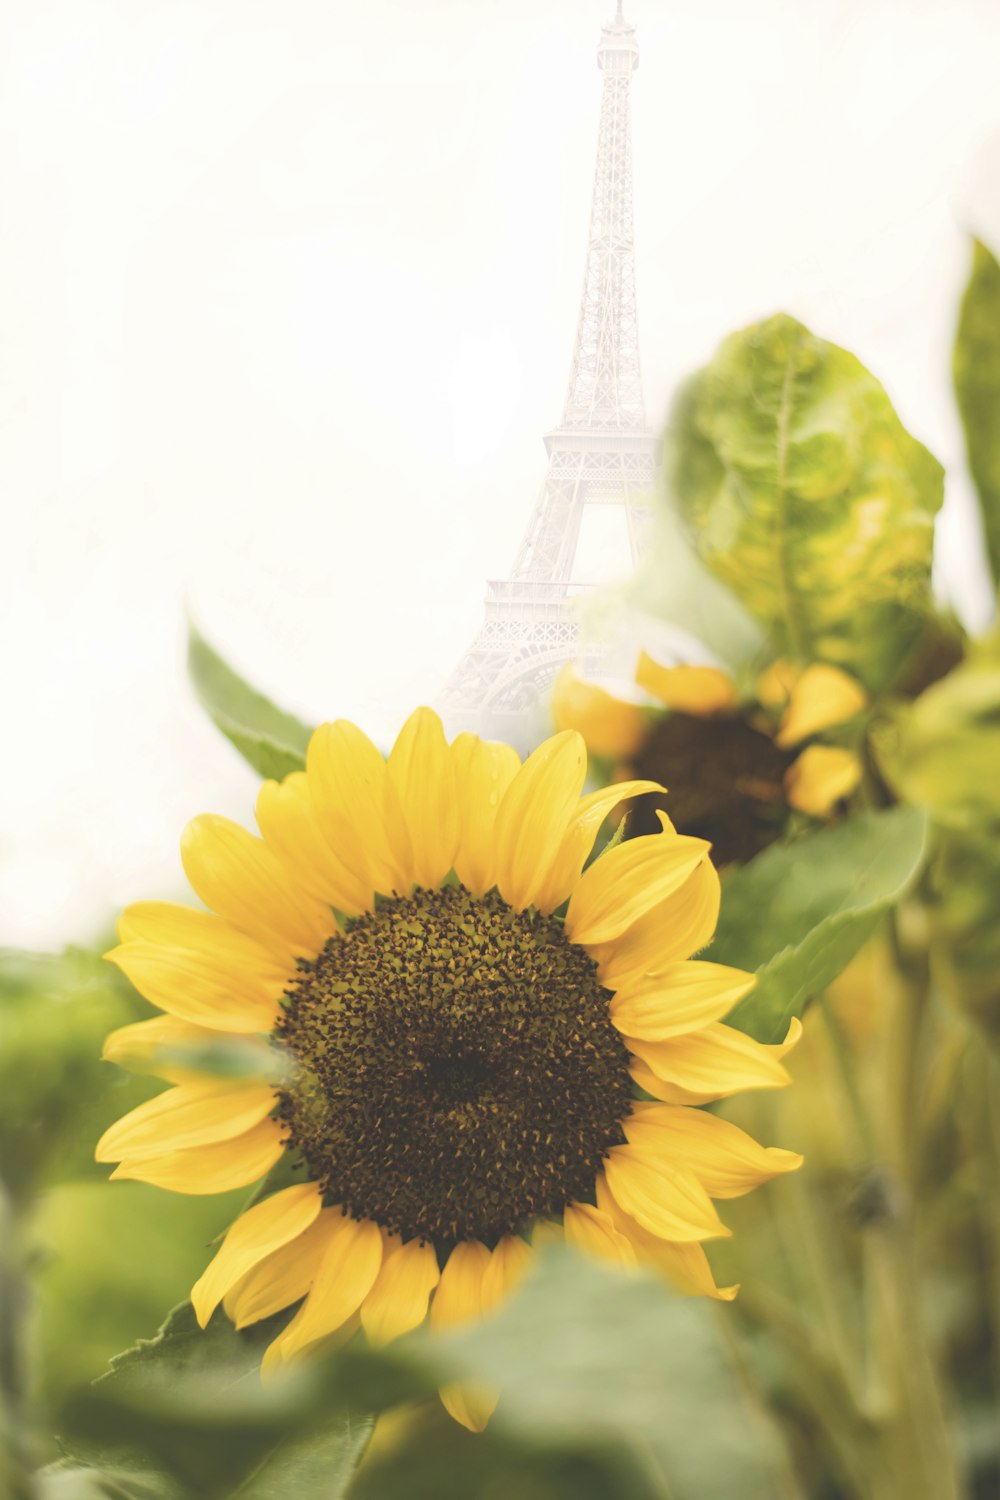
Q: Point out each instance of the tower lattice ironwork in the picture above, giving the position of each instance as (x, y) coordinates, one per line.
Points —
(602, 452)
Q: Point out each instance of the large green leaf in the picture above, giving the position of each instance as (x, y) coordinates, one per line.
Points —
(976, 369)
(799, 913)
(589, 1362)
(802, 491)
(274, 742)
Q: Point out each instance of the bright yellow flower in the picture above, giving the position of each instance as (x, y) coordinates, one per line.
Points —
(459, 1061)
(733, 769)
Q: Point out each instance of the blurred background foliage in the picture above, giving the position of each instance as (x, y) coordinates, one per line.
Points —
(861, 1360)
(106, 1258)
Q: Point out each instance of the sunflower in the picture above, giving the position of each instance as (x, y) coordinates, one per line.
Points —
(736, 768)
(459, 1061)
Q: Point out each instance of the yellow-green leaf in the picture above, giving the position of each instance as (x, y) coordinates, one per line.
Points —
(802, 491)
(976, 369)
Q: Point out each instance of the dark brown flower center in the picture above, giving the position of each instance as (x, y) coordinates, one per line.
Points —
(725, 780)
(458, 1074)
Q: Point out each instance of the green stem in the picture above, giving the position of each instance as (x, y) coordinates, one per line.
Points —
(903, 1394)
(990, 1164)
(919, 1441)
(847, 1074)
(819, 1384)
(16, 1464)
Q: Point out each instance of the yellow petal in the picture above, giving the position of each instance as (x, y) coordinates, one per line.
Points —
(346, 1274)
(166, 924)
(701, 691)
(283, 1277)
(823, 696)
(547, 1232)
(673, 930)
(683, 997)
(140, 1046)
(610, 726)
(236, 875)
(592, 1231)
(470, 1405)
(578, 841)
(351, 795)
(713, 1063)
(726, 1161)
(459, 1295)
(199, 988)
(287, 819)
(263, 1229)
(685, 1266)
(275, 1357)
(483, 770)
(775, 684)
(459, 1299)
(625, 883)
(509, 1263)
(211, 1169)
(193, 1114)
(822, 776)
(398, 1300)
(534, 815)
(665, 1199)
(421, 770)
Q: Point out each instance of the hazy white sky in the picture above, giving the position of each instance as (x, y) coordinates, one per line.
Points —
(287, 299)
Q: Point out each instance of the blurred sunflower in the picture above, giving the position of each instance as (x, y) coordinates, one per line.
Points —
(459, 1062)
(736, 769)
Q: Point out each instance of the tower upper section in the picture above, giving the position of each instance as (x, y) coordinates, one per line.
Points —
(605, 388)
(618, 51)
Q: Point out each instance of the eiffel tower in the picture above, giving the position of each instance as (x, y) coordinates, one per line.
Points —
(602, 452)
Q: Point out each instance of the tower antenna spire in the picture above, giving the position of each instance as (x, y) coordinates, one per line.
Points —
(602, 453)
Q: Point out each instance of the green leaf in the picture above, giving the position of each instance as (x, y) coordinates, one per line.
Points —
(976, 371)
(274, 742)
(316, 1463)
(188, 1407)
(799, 912)
(942, 751)
(801, 489)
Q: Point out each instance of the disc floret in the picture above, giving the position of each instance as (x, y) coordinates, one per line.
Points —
(459, 1073)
